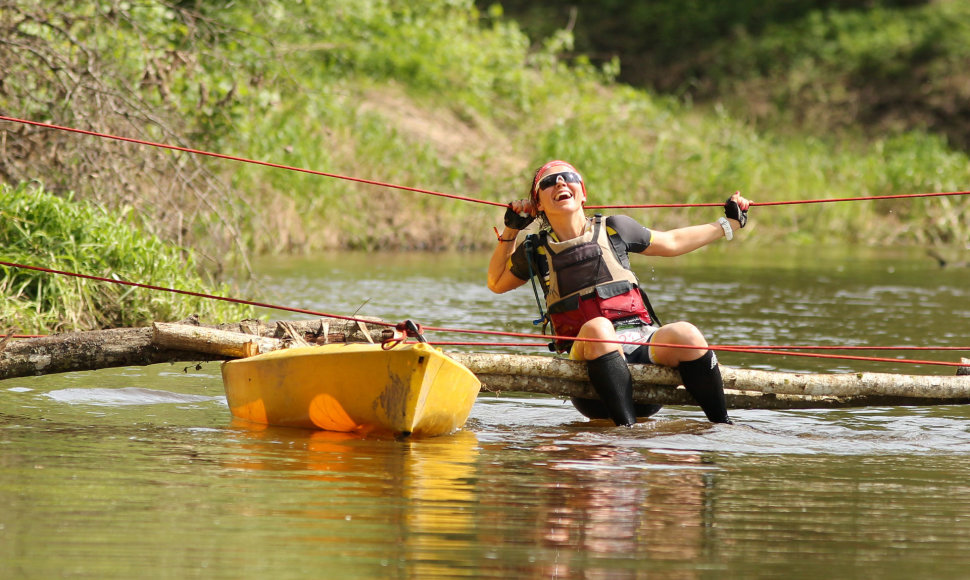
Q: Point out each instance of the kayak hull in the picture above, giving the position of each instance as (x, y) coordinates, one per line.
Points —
(411, 389)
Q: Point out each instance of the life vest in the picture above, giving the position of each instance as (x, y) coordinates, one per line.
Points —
(587, 280)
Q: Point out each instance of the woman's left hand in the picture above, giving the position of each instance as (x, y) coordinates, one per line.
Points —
(736, 208)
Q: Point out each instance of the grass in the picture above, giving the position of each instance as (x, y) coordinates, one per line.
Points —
(40, 229)
(525, 106)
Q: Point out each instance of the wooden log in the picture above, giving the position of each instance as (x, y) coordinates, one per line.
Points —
(316, 330)
(848, 384)
(557, 376)
(211, 341)
(555, 367)
(560, 387)
(97, 349)
(668, 395)
(84, 351)
(191, 341)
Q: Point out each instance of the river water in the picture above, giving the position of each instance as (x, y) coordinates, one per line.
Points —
(141, 472)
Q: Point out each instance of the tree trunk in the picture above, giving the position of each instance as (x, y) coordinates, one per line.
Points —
(84, 351)
(212, 341)
(191, 341)
(96, 349)
(768, 382)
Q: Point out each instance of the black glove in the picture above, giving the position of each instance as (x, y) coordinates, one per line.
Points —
(733, 211)
(516, 221)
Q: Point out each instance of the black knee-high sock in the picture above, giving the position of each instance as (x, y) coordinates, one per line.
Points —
(702, 379)
(611, 380)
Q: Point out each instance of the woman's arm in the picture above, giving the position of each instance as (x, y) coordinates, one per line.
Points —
(500, 277)
(683, 240)
(687, 239)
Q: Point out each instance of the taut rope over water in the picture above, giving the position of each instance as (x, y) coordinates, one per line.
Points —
(773, 350)
(449, 195)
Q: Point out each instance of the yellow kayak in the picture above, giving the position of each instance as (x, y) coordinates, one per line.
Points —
(411, 389)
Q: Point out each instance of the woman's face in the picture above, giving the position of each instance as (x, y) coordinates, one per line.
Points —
(560, 190)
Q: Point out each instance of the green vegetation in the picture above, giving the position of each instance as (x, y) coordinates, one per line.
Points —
(875, 71)
(769, 98)
(38, 228)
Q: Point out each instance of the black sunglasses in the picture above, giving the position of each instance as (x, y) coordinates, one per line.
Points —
(567, 176)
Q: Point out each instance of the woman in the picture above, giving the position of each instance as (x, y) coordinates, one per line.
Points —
(591, 292)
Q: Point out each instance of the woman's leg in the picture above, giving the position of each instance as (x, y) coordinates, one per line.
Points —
(608, 371)
(679, 333)
(599, 329)
(697, 365)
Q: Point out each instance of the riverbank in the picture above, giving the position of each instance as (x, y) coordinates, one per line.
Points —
(434, 97)
(431, 97)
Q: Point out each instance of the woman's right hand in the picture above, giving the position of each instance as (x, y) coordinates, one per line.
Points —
(519, 214)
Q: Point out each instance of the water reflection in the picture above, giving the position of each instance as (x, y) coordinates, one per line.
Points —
(589, 511)
(445, 506)
(655, 514)
(418, 493)
(110, 473)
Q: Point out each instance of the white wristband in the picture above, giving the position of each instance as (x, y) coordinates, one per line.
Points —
(726, 226)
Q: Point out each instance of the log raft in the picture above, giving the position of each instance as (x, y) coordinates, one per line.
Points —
(744, 388)
(191, 341)
(97, 349)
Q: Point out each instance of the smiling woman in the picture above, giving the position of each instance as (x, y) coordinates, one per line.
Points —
(592, 294)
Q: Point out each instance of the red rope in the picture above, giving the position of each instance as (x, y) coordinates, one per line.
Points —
(741, 349)
(738, 347)
(785, 202)
(190, 293)
(841, 356)
(449, 195)
(752, 349)
(728, 348)
(246, 160)
(757, 348)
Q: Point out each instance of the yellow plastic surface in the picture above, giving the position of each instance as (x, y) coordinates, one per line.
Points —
(410, 389)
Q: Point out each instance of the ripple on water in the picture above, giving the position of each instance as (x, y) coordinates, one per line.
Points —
(124, 396)
(528, 423)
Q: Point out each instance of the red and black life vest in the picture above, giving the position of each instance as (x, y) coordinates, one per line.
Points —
(587, 280)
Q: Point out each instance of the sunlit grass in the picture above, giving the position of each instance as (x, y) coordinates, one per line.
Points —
(632, 146)
(382, 90)
(39, 229)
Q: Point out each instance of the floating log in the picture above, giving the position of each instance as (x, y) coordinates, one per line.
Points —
(744, 388)
(97, 349)
(191, 341)
(221, 343)
(315, 331)
(83, 351)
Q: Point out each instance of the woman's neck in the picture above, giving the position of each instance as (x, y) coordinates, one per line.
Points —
(569, 226)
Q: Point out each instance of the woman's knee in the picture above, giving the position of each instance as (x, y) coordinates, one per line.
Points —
(597, 328)
(683, 333)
